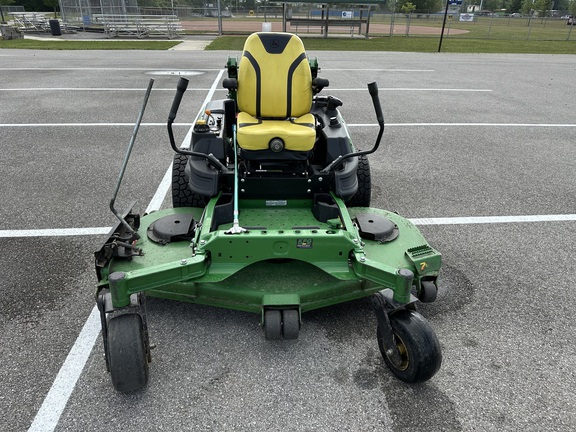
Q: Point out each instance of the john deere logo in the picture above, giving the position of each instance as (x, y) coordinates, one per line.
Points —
(274, 43)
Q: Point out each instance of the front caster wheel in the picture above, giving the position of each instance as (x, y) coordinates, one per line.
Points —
(419, 349)
(428, 292)
(272, 324)
(127, 355)
(290, 324)
(280, 323)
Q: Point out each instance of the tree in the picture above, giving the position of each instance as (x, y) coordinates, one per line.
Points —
(572, 8)
(527, 6)
(407, 8)
(4, 3)
(491, 5)
(514, 6)
(424, 6)
(34, 5)
(54, 4)
(560, 5)
(543, 7)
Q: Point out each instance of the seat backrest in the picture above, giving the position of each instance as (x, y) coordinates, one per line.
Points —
(274, 77)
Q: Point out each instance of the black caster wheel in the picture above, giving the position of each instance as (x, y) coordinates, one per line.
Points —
(290, 324)
(420, 355)
(272, 324)
(428, 292)
(127, 356)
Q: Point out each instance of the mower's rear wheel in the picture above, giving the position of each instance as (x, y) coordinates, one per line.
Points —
(363, 196)
(127, 352)
(182, 195)
(417, 344)
(272, 324)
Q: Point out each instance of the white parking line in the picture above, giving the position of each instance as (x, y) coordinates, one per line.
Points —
(93, 69)
(415, 89)
(550, 125)
(112, 89)
(494, 219)
(546, 125)
(47, 417)
(54, 232)
(168, 71)
(379, 70)
(88, 89)
(23, 125)
(162, 191)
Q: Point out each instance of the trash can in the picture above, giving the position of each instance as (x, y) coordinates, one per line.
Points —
(55, 27)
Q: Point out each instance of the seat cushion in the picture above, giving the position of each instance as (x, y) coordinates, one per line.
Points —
(298, 134)
(274, 76)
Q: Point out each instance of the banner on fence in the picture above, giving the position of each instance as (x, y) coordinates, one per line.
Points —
(466, 17)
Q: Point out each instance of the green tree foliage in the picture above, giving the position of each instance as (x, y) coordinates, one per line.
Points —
(527, 6)
(514, 6)
(34, 6)
(491, 5)
(560, 5)
(407, 8)
(425, 6)
(54, 4)
(543, 7)
(4, 3)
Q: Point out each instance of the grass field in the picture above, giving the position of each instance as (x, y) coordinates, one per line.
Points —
(484, 27)
(416, 44)
(87, 45)
(484, 35)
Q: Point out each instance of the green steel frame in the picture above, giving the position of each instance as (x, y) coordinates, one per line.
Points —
(286, 258)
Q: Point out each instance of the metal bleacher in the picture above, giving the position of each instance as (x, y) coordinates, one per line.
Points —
(31, 22)
(140, 26)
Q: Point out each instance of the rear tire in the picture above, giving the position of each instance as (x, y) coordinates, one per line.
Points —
(127, 355)
(182, 195)
(363, 196)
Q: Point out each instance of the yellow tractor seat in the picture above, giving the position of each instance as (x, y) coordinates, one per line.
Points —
(274, 95)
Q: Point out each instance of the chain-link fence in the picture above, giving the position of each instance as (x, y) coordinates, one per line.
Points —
(242, 17)
(474, 26)
(85, 13)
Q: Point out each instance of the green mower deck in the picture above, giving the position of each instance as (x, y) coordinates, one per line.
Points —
(285, 258)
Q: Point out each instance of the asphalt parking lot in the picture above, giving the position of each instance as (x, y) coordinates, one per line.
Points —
(479, 151)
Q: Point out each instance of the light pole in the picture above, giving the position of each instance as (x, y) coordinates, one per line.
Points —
(448, 2)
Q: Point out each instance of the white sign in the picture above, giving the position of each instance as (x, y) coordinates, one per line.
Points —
(347, 14)
(467, 17)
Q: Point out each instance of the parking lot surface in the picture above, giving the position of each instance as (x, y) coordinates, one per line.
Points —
(478, 151)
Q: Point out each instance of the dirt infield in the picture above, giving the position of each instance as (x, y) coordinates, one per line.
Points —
(249, 26)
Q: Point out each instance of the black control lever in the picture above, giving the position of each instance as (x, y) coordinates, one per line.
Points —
(180, 89)
(373, 90)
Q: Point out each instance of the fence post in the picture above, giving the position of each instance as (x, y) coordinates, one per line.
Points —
(408, 24)
(490, 26)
